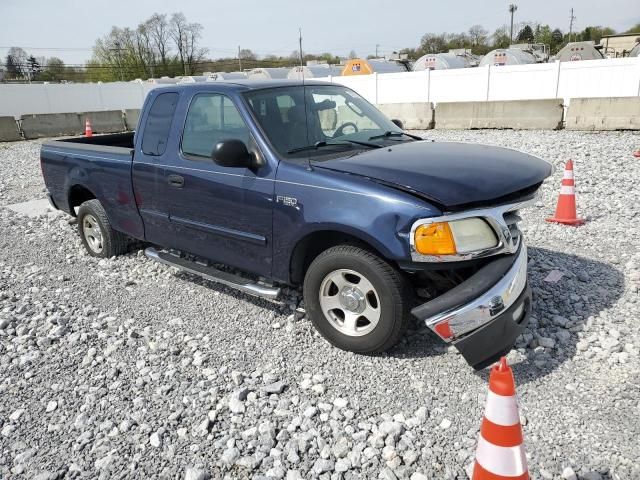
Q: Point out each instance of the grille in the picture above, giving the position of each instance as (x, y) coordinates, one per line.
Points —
(512, 219)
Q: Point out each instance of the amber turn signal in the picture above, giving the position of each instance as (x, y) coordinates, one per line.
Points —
(435, 239)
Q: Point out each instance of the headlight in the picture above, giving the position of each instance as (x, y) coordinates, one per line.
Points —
(458, 236)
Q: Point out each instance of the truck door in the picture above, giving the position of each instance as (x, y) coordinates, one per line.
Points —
(220, 213)
(148, 174)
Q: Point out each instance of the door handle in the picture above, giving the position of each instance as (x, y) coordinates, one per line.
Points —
(176, 181)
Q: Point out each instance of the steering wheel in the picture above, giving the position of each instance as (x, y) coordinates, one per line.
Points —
(340, 130)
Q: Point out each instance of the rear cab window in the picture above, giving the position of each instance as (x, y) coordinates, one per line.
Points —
(158, 125)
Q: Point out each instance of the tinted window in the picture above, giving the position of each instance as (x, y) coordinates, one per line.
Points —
(156, 131)
(211, 119)
(299, 116)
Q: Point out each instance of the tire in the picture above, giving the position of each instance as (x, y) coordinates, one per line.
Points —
(98, 238)
(378, 283)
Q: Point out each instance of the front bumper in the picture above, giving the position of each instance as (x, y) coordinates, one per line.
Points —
(484, 314)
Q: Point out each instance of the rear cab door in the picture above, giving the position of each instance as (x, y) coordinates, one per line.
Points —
(153, 152)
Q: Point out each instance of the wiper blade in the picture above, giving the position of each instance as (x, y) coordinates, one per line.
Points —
(365, 144)
(321, 144)
(318, 145)
(390, 133)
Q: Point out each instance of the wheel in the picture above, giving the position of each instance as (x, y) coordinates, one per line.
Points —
(355, 299)
(96, 233)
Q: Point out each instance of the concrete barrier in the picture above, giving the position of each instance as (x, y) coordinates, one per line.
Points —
(131, 116)
(64, 124)
(414, 116)
(611, 113)
(9, 130)
(110, 121)
(516, 114)
(51, 125)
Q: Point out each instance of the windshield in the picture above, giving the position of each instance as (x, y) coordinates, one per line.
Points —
(334, 117)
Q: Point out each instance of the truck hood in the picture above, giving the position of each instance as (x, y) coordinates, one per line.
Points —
(448, 173)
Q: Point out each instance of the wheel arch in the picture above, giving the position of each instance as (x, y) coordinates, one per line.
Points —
(313, 243)
(77, 195)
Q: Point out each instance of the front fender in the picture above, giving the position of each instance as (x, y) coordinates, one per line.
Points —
(309, 201)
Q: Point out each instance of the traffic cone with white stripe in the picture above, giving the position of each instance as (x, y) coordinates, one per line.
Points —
(566, 209)
(88, 132)
(500, 453)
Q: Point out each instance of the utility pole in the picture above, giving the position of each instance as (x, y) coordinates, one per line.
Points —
(571, 19)
(301, 57)
(239, 59)
(512, 10)
(377, 46)
(118, 51)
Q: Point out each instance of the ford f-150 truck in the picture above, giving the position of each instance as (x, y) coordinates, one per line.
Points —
(259, 185)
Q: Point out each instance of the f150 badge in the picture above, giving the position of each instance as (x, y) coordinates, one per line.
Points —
(288, 201)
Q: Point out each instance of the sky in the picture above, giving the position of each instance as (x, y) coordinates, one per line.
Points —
(68, 28)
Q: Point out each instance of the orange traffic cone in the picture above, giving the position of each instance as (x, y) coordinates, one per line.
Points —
(566, 209)
(87, 129)
(500, 453)
(636, 154)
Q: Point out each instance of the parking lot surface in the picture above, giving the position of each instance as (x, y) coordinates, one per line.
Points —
(123, 368)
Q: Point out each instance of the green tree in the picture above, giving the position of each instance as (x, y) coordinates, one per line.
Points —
(501, 38)
(434, 43)
(634, 29)
(526, 34)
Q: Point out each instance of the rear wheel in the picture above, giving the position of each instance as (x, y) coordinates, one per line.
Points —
(355, 299)
(99, 239)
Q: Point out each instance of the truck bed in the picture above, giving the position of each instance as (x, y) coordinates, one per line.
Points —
(120, 140)
(81, 168)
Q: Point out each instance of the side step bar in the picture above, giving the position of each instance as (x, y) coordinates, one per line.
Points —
(213, 274)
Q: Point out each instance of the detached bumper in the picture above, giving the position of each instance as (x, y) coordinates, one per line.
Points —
(484, 315)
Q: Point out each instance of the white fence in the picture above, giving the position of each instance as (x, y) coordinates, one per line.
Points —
(591, 78)
(20, 99)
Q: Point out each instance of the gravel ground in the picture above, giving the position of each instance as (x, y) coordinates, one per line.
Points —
(122, 368)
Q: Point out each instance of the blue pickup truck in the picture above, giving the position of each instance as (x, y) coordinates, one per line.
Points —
(263, 184)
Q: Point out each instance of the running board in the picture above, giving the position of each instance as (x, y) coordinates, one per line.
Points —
(210, 273)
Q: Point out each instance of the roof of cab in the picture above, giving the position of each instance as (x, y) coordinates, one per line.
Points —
(240, 85)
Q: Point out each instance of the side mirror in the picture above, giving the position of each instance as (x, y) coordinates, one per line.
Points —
(398, 123)
(232, 153)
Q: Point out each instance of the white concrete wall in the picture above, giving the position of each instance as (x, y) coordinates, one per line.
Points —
(591, 78)
(587, 79)
(23, 99)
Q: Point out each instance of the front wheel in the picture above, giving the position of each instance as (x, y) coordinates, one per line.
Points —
(355, 299)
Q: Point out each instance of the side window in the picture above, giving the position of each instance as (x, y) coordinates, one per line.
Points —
(156, 130)
(211, 118)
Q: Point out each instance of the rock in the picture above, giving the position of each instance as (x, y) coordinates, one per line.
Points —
(193, 473)
(446, 423)
(583, 276)
(310, 412)
(236, 405)
(229, 456)
(322, 465)
(276, 387)
(546, 342)
(15, 416)
(569, 474)
(560, 321)
(155, 440)
(51, 406)
(394, 429)
(340, 403)
(592, 476)
(419, 476)
(342, 465)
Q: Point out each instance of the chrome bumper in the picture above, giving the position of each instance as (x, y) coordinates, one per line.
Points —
(488, 305)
